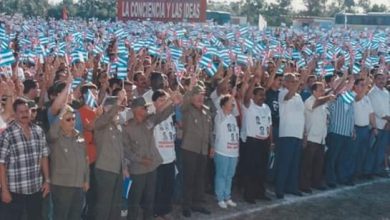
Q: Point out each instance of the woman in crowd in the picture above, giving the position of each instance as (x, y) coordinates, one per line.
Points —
(226, 151)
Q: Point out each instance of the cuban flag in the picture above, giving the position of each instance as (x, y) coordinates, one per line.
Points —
(121, 72)
(6, 58)
(89, 76)
(387, 59)
(207, 63)
(76, 82)
(176, 53)
(301, 63)
(230, 36)
(44, 40)
(356, 68)
(3, 45)
(97, 50)
(307, 51)
(120, 33)
(90, 99)
(296, 55)
(319, 49)
(348, 97)
(154, 51)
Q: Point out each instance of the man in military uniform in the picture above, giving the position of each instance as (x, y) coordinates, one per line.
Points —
(197, 136)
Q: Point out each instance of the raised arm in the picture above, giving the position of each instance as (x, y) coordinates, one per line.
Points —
(61, 99)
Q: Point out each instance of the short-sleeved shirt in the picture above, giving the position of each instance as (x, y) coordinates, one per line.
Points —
(292, 115)
(380, 100)
(363, 109)
(341, 117)
(22, 157)
(315, 121)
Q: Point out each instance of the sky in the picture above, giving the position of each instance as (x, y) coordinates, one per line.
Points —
(297, 4)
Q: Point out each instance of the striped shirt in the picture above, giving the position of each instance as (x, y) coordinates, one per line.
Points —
(341, 117)
(22, 158)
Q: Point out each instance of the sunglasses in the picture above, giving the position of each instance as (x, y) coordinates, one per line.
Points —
(70, 119)
(33, 110)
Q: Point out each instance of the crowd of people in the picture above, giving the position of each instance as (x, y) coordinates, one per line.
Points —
(174, 110)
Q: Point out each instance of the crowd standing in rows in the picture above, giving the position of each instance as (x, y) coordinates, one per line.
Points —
(87, 105)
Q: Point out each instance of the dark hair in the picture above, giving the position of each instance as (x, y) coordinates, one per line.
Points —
(157, 94)
(114, 81)
(378, 75)
(310, 77)
(116, 91)
(278, 75)
(224, 100)
(156, 78)
(29, 84)
(59, 87)
(257, 90)
(357, 81)
(328, 78)
(136, 75)
(17, 102)
(315, 86)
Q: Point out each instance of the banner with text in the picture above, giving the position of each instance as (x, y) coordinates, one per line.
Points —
(162, 10)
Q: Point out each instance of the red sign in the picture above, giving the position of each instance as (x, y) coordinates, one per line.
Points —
(162, 10)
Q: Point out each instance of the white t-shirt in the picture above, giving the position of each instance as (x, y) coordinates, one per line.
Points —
(226, 134)
(217, 99)
(292, 116)
(165, 134)
(256, 122)
(315, 121)
(363, 109)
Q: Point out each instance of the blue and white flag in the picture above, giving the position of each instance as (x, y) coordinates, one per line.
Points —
(348, 97)
(301, 63)
(90, 99)
(206, 62)
(356, 68)
(120, 33)
(176, 53)
(6, 58)
(121, 72)
(76, 82)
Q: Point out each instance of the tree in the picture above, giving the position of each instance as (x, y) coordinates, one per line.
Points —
(278, 13)
(252, 9)
(378, 8)
(314, 7)
(349, 4)
(364, 4)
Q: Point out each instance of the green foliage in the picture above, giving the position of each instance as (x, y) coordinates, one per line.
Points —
(378, 8)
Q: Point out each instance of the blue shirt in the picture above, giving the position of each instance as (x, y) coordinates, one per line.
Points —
(341, 117)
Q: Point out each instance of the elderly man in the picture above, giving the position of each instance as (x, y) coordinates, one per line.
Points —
(292, 123)
(315, 133)
(197, 137)
(380, 100)
(143, 155)
(21, 180)
(108, 168)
